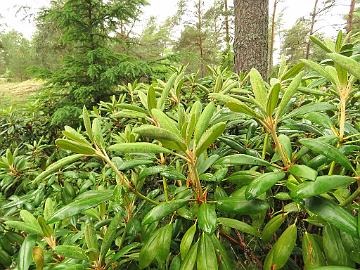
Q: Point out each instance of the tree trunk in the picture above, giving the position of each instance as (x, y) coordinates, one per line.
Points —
(313, 17)
(350, 16)
(272, 37)
(251, 35)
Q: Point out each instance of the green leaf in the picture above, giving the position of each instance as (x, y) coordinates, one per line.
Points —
(289, 92)
(69, 251)
(72, 134)
(25, 253)
(160, 134)
(109, 236)
(162, 210)
(87, 200)
(262, 184)
(286, 145)
(87, 124)
(258, 87)
(151, 98)
(241, 159)
(272, 226)
(186, 241)
(139, 147)
(241, 206)
(209, 137)
(333, 247)
(56, 166)
(235, 105)
(273, 98)
(327, 150)
(293, 71)
(333, 214)
(312, 252)
(204, 120)
(190, 259)
(321, 185)
(164, 241)
(165, 122)
(165, 92)
(206, 257)
(284, 246)
(308, 108)
(75, 147)
(319, 69)
(352, 66)
(321, 44)
(238, 225)
(22, 226)
(97, 132)
(303, 171)
(207, 217)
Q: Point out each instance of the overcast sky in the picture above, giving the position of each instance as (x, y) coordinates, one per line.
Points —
(293, 9)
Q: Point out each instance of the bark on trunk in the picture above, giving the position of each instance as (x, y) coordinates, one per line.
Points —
(251, 35)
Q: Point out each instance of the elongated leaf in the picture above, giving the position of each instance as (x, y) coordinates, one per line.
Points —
(308, 108)
(321, 44)
(109, 236)
(293, 71)
(206, 257)
(22, 226)
(25, 253)
(327, 150)
(312, 252)
(190, 259)
(284, 247)
(162, 210)
(207, 218)
(160, 134)
(321, 185)
(333, 214)
(258, 87)
(151, 98)
(303, 171)
(79, 148)
(272, 226)
(352, 66)
(241, 206)
(140, 147)
(209, 137)
(238, 225)
(69, 251)
(262, 184)
(235, 105)
(203, 121)
(289, 92)
(164, 240)
(80, 204)
(56, 166)
(319, 69)
(165, 121)
(273, 98)
(241, 159)
(186, 241)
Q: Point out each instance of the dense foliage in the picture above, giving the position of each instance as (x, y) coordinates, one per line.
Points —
(224, 172)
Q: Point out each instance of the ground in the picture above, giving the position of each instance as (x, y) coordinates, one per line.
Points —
(15, 93)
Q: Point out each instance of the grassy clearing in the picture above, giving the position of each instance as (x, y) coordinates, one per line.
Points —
(17, 93)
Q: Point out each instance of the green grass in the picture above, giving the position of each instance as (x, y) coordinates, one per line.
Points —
(17, 94)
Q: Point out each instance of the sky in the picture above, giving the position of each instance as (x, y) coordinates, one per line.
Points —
(161, 9)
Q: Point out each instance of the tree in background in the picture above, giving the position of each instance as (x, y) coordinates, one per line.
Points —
(90, 69)
(251, 35)
(16, 56)
(294, 45)
(319, 9)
